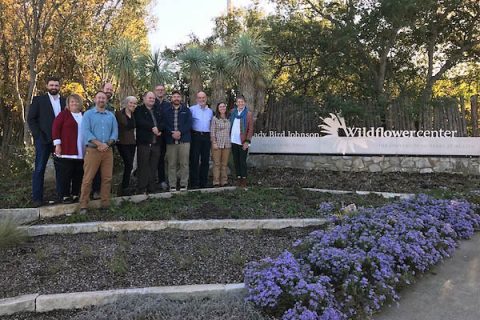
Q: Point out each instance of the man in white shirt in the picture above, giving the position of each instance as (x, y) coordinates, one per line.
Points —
(41, 114)
(200, 147)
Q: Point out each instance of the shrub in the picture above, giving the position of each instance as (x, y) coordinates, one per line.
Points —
(10, 234)
(158, 308)
(350, 270)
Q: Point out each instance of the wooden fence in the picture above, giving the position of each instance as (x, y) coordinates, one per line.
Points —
(446, 113)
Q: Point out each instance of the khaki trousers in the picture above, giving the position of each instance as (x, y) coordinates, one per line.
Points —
(220, 163)
(178, 157)
(93, 161)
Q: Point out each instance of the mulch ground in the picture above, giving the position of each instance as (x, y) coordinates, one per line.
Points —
(389, 182)
(85, 262)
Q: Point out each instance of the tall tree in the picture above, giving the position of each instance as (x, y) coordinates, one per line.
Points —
(219, 63)
(193, 61)
(248, 61)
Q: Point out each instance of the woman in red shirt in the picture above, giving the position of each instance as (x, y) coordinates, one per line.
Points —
(69, 149)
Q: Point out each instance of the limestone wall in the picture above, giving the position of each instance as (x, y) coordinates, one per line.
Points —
(384, 164)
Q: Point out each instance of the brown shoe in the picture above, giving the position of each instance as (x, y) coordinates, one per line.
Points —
(243, 182)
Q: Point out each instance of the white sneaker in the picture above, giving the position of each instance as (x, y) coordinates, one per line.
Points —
(183, 188)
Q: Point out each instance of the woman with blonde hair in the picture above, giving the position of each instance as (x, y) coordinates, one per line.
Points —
(126, 144)
(69, 149)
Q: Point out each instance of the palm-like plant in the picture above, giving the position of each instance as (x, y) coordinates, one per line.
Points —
(122, 61)
(155, 69)
(193, 61)
(248, 59)
(220, 64)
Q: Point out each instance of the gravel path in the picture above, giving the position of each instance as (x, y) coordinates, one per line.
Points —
(85, 262)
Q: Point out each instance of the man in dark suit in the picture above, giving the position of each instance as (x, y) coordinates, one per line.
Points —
(43, 111)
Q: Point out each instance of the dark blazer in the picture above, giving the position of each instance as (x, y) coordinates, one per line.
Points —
(144, 123)
(126, 127)
(40, 117)
(162, 106)
(184, 124)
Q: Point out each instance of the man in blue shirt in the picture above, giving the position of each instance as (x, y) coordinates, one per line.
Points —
(200, 147)
(99, 132)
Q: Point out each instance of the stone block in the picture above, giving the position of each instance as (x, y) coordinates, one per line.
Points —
(374, 168)
(422, 163)
(358, 164)
(377, 159)
(59, 210)
(407, 163)
(20, 216)
(426, 170)
(74, 228)
(25, 303)
(118, 226)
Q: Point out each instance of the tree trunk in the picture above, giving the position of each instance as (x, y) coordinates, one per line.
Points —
(474, 107)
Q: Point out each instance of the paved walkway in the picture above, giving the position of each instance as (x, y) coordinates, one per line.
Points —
(450, 292)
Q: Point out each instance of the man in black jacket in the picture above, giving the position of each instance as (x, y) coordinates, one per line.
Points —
(149, 130)
(43, 111)
(161, 104)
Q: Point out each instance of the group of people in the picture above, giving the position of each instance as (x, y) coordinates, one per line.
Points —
(170, 143)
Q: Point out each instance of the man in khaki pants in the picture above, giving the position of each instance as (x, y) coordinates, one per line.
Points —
(99, 132)
(178, 124)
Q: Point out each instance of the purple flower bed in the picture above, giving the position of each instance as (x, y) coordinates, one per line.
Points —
(352, 269)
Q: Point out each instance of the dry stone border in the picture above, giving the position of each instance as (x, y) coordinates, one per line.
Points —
(386, 195)
(118, 226)
(78, 300)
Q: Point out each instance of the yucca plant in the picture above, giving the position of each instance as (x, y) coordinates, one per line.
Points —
(248, 59)
(10, 234)
(220, 65)
(193, 61)
(155, 69)
(122, 61)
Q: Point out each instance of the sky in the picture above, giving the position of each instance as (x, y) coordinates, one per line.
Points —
(176, 19)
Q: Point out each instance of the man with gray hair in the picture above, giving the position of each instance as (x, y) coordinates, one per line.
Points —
(149, 125)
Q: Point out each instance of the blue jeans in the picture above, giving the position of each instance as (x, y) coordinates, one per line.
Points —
(42, 153)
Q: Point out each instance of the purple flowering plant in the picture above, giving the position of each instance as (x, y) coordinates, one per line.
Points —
(352, 269)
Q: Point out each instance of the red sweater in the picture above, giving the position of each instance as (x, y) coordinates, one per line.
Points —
(65, 128)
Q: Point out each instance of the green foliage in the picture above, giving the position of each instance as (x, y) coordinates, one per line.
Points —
(123, 61)
(248, 56)
(155, 69)
(10, 234)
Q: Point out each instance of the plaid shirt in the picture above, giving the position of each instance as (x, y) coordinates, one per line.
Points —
(175, 121)
(220, 132)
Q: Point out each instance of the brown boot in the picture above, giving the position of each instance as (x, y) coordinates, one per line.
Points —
(243, 183)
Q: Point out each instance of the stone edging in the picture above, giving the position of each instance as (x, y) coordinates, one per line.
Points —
(386, 195)
(78, 300)
(118, 226)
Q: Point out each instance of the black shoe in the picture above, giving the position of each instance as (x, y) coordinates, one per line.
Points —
(37, 204)
(67, 200)
(75, 199)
